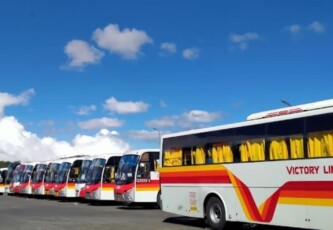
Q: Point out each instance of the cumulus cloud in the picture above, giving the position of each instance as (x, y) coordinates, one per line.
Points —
(81, 54)
(242, 40)
(191, 53)
(317, 27)
(127, 43)
(100, 123)
(120, 107)
(168, 48)
(7, 99)
(16, 143)
(86, 110)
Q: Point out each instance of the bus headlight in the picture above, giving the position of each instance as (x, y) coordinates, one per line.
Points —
(129, 195)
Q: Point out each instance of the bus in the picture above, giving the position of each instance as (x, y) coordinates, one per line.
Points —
(26, 177)
(3, 173)
(14, 186)
(37, 182)
(82, 178)
(51, 174)
(10, 171)
(137, 177)
(101, 178)
(275, 168)
(67, 177)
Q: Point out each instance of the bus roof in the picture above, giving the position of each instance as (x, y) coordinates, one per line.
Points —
(140, 151)
(311, 109)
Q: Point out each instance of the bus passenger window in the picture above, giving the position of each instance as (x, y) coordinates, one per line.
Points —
(253, 150)
(296, 147)
(278, 149)
(173, 157)
(198, 155)
(222, 153)
(187, 156)
(320, 144)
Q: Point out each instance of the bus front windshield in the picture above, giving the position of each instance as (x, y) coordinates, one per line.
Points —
(17, 173)
(63, 173)
(26, 175)
(95, 172)
(39, 173)
(52, 173)
(126, 169)
(10, 172)
(84, 171)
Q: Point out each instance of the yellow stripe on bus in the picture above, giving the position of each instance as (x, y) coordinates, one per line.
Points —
(306, 201)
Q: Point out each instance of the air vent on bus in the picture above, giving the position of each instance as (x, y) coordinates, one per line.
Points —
(291, 109)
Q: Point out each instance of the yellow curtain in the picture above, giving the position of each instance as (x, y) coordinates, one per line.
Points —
(222, 153)
(253, 150)
(278, 149)
(296, 147)
(172, 157)
(200, 157)
(320, 144)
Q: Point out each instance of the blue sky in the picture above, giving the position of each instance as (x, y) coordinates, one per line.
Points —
(100, 76)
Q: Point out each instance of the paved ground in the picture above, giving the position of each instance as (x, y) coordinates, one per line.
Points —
(20, 213)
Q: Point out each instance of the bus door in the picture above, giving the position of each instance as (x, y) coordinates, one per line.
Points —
(147, 183)
(82, 178)
(72, 179)
(3, 173)
(108, 179)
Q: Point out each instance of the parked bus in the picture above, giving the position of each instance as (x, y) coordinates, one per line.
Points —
(37, 182)
(275, 168)
(82, 178)
(26, 177)
(68, 174)
(137, 178)
(14, 186)
(3, 173)
(101, 179)
(51, 174)
(10, 171)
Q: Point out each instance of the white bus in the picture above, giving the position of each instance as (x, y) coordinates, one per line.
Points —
(10, 172)
(26, 177)
(137, 178)
(276, 168)
(101, 179)
(3, 174)
(82, 178)
(37, 182)
(51, 175)
(66, 179)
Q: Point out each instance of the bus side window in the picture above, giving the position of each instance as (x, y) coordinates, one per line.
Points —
(222, 152)
(187, 156)
(278, 149)
(320, 144)
(172, 157)
(296, 147)
(253, 150)
(198, 155)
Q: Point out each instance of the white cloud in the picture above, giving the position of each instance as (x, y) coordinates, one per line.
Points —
(168, 48)
(242, 40)
(86, 110)
(163, 104)
(113, 105)
(191, 53)
(201, 116)
(127, 43)
(294, 29)
(18, 144)
(81, 54)
(317, 27)
(101, 123)
(7, 99)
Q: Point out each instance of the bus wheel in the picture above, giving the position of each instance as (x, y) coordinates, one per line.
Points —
(159, 201)
(215, 213)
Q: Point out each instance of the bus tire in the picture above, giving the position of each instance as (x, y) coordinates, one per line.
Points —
(215, 213)
(159, 200)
